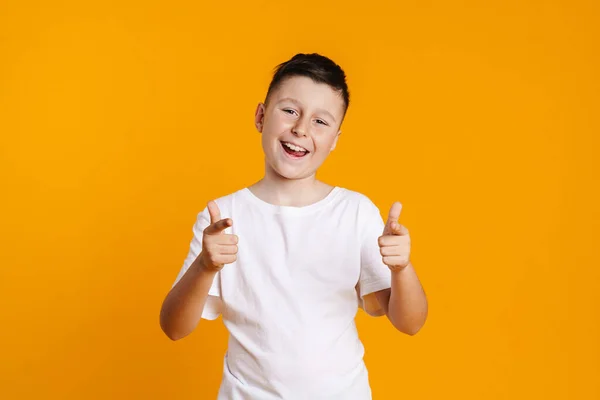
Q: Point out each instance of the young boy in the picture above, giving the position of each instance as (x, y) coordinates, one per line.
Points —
(288, 260)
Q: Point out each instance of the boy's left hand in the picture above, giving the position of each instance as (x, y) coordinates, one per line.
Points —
(394, 244)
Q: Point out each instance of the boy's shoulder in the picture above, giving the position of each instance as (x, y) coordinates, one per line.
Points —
(361, 199)
(356, 195)
(228, 197)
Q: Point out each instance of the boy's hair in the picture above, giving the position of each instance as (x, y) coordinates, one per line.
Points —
(316, 67)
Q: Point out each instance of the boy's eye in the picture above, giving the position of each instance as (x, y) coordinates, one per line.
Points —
(293, 112)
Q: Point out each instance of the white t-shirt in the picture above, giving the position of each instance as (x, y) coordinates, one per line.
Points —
(290, 299)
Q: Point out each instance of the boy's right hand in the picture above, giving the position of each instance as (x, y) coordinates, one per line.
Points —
(218, 248)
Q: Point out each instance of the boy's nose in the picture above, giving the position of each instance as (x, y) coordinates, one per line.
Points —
(298, 130)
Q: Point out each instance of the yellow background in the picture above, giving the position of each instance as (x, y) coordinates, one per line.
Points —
(120, 120)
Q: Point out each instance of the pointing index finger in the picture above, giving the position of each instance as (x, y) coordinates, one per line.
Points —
(218, 227)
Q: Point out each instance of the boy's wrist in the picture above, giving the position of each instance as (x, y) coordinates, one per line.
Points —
(201, 267)
(398, 270)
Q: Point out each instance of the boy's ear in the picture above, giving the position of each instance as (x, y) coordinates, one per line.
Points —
(259, 117)
(335, 140)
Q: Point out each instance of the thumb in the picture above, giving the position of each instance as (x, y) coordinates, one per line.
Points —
(393, 216)
(217, 225)
(213, 210)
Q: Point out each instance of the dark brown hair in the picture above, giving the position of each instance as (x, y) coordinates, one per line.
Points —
(316, 67)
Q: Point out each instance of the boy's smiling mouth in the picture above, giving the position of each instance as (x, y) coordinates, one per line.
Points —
(293, 150)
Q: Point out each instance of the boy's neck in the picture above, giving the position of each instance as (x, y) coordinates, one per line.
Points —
(292, 193)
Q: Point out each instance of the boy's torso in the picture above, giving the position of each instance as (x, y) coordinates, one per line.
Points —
(290, 299)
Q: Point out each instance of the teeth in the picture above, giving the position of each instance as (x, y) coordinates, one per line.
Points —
(293, 147)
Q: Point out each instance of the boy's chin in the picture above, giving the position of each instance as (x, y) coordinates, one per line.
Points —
(291, 176)
(291, 173)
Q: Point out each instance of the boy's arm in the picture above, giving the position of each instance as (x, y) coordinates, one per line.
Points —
(182, 308)
(405, 303)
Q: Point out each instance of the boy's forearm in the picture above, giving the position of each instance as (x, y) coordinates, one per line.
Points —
(407, 306)
(182, 308)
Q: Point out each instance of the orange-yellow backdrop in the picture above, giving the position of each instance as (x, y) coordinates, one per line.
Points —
(120, 120)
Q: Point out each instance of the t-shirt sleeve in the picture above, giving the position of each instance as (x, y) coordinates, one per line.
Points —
(374, 274)
(214, 304)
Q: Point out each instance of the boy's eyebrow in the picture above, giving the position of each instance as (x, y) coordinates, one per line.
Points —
(299, 104)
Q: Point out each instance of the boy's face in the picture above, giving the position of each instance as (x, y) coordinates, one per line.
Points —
(302, 113)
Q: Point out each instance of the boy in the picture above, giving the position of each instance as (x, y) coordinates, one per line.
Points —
(288, 260)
